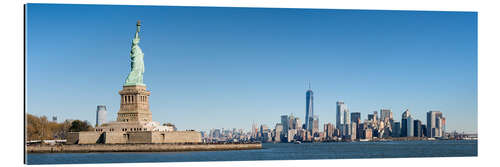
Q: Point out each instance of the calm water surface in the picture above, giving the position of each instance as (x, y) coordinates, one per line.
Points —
(279, 151)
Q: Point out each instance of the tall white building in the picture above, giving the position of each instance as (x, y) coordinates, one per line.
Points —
(100, 115)
(343, 121)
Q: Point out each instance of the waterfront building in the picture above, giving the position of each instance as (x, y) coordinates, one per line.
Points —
(278, 132)
(360, 129)
(367, 134)
(396, 129)
(435, 124)
(100, 115)
(301, 135)
(407, 124)
(309, 109)
(417, 130)
(343, 119)
(291, 135)
(315, 125)
(329, 131)
(285, 122)
(424, 130)
(340, 115)
(353, 130)
(255, 131)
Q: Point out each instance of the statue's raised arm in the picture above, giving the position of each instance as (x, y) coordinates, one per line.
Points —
(136, 61)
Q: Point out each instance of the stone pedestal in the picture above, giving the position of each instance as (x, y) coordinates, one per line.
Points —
(134, 105)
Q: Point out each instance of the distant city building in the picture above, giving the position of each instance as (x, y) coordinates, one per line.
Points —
(329, 131)
(385, 115)
(291, 135)
(353, 130)
(100, 115)
(309, 109)
(407, 124)
(435, 124)
(315, 125)
(255, 131)
(367, 134)
(417, 130)
(296, 123)
(424, 130)
(356, 117)
(54, 119)
(264, 129)
(285, 123)
(343, 119)
(371, 117)
(396, 129)
(291, 122)
(278, 132)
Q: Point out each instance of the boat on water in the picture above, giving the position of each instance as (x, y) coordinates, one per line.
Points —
(297, 142)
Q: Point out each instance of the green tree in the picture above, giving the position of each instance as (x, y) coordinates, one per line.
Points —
(77, 126)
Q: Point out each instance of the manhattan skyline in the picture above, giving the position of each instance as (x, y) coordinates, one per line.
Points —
(228, 67)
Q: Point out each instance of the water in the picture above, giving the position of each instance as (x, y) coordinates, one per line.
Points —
(279, 151)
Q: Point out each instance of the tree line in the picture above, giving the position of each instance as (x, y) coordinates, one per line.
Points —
(40, 128)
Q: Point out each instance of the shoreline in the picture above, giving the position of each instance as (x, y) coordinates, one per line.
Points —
(89, 148)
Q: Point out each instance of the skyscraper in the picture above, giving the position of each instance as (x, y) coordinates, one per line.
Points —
(329, 129)
(396, 129)
(309, 108)
(417, 128)
(340, 115)
(385, 115)
(285, 123)
(356, 117)
(100, 115)
(407, 124)
(353, 130)
(435, 124)
(315, 125)
(343, 119)
(297, 123)
(291, 122)
(424, 130)
(278, 132)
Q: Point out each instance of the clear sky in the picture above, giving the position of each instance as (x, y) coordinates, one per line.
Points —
(229, 67)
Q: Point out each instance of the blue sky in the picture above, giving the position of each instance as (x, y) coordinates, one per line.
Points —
(229, 67)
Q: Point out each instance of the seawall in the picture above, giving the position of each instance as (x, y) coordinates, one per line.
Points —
(79, 148)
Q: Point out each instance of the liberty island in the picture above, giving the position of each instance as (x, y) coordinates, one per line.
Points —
(134, 129)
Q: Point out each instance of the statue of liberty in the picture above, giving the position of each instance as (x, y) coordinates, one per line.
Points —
(137, 62)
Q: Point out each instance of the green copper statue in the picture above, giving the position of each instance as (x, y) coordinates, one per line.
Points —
(137, 62)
